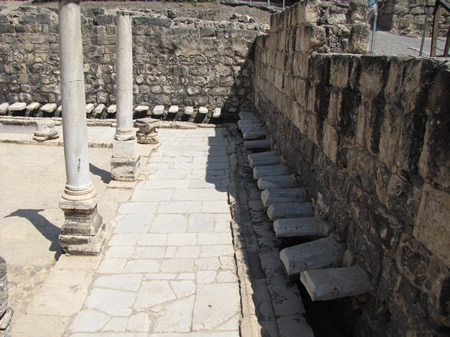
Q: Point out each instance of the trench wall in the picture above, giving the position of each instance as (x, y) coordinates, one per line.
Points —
(180, 57)
(368, 136)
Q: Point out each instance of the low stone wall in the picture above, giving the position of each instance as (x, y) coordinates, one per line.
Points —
(368, 136)
(180, 57)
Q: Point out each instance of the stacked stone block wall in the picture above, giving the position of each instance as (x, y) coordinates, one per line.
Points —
(368, 136)
(408, 17)
(179, 58)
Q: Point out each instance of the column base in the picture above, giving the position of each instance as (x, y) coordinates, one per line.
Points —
(125, 169)
(83, 232)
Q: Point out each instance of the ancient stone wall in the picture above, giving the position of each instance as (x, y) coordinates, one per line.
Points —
(368, 136)
(408, 17)
(180, 57)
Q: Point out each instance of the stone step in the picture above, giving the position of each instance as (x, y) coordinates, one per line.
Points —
(290, 210)
(316, 254)
(300, 227)
(264, 159)
(283, 181)
(282, 195)
(258, 144)
(333, 283)
(265, 171)
(254, 133)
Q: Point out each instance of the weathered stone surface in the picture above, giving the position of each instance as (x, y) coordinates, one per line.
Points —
(264, 159)
(217, 113)
(45, 130)
(359, 39)
(202, 110)
(4, 108)
(254, 133)
(272, 196)
(284, 181)
(141, 108)
(19, 106)
(89, 108)
(294, 326)
(259, 144)
(189, 110)
(299, 227)
(316, 254)
(99, 109)
(173, 109)
(50, 108)
(158, 110)
(33, 106)
(333, 283)
(290, 210)
(266, 171)
(112, 109)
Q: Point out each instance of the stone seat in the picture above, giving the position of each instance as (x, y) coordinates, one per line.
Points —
(316, 254)
(333, 283)
(290, 210)
(147, 133)
(265, 171)
(282, 195)
(254, 133)
(301, 227)
(283, 181)
(264, 159)
(258, 144)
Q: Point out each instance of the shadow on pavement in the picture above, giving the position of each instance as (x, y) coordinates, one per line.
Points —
(104, 175)
(46, 228)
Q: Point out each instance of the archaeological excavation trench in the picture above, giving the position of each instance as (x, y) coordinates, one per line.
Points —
(339, 159)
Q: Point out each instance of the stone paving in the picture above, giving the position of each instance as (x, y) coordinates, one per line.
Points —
(169, 269)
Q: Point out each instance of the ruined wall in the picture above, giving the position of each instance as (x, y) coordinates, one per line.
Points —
(408, 17)
(180, 57)
(368, 136)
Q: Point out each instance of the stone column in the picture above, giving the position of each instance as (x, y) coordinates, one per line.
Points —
(83, 231)
(125, 159)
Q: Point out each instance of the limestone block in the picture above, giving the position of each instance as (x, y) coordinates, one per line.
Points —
(313, 36)
(19, 106)
(112, 109)
(282, 195)
(307, 11)
(141, 108)
(158, 110)
(284, 181)
(202, 110)
(4, 108)
(45, 130)
(89, 108)
(333, 283)
(264, 171)
(59, 110)
(125, 169)
(390, 134)
(359, 39)
(264, 159)
(358, 11)
(3, 287)
(301, 227)
(49, 108)
(339, 71)
(259, 144)
(99, 109)
(173, 109)
(247, 115)
(254, 133)
(124, 148)
(33, 106)
(316, 254)
(373, 75)
(217, 113)
(431, 227)
(290, 210)
(189, 110)
(330, 141)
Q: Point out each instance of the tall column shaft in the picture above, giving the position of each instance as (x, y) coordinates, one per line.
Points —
(83, 231)
(73, 98)
(124, 76)
(125, 160)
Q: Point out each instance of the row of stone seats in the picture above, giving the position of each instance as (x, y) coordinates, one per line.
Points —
(317, 261)
(159, 111)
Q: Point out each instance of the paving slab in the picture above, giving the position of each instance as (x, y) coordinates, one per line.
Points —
(301, 227)
(283, 181)
(290, 210)
(272, 170)
(316, 254)
(333, 283)
(282, 195)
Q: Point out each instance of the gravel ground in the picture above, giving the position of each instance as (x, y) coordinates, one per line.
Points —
(391, 44)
